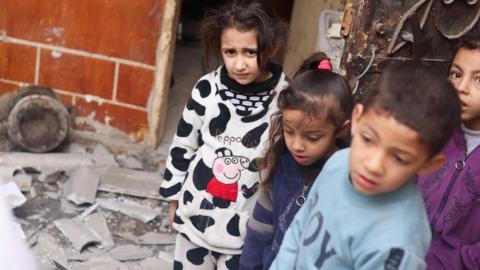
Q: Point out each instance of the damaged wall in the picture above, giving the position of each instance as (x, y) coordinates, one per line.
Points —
(304, 30)
(99, 55)
(382, 32)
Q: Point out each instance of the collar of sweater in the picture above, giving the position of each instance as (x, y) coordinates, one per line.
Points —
(252, 88)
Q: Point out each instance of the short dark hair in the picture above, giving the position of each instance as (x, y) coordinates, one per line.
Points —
(471, 42)
(245, 15)
(420, 98)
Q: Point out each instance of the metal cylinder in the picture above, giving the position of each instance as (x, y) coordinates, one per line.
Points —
(38, 120)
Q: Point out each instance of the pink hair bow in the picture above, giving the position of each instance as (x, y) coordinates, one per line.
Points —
(324, 65)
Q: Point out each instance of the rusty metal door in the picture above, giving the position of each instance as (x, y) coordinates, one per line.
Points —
(379, 32)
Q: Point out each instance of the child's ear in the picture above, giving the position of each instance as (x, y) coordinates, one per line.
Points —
(357, 113)
(343, 130)
(433, 164)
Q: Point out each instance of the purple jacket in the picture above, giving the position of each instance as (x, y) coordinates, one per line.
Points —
(452, 201)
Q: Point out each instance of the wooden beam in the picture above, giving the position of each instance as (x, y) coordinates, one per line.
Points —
(165, 52)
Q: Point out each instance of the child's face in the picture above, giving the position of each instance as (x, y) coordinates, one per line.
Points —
(308, 139)
(465, 76)
(385, 154)
(239, 53)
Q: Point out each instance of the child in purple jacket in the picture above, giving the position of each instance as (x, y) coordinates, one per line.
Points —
(452, 194)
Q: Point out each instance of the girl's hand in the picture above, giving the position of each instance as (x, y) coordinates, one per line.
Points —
(173, 206)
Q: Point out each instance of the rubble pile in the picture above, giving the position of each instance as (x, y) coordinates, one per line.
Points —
(82, 209)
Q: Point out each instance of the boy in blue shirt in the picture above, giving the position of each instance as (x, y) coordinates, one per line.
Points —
(364, 211)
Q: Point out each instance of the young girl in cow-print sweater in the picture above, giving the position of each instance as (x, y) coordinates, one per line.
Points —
(313, 118)
(211, 173)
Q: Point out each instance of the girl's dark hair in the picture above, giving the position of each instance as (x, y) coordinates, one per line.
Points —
(318, 93)
(244, 15)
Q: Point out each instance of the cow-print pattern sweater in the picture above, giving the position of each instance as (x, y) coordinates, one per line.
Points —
(211, 169)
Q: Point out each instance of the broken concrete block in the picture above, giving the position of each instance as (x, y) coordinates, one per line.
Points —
(129, 253)
(77, 232)
(69, 208)
(23, 181)
(53, 251)
(129, 182)
(42, 260)
(12, 195)
(153, 238)
(98, 223)
(81, 186)
(130, 208)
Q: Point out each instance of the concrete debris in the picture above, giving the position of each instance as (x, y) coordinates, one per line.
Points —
(33, 192)
(82, 233)
(23, 181)
(12, 194)
(129, 253)
(88, 211)
(27, 170)
(102, 156)
(53, 251)
(32, 236)
(81, 187)
(129, 162)
(87, 254)
(166, 260)
(69, 208)
(151, 238)
(51, 195)
(61, 161)
(131, 209)
(60, 266)
(75, 148)
(7, 172)
(151, 263)
(65, 233)
(78, 233)
(155, 264)
(51, 176)
(101, 263)
(43, 262)
(18, 228)
(32, 241)
(98, 223)
(129, 182)
(81, 257)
